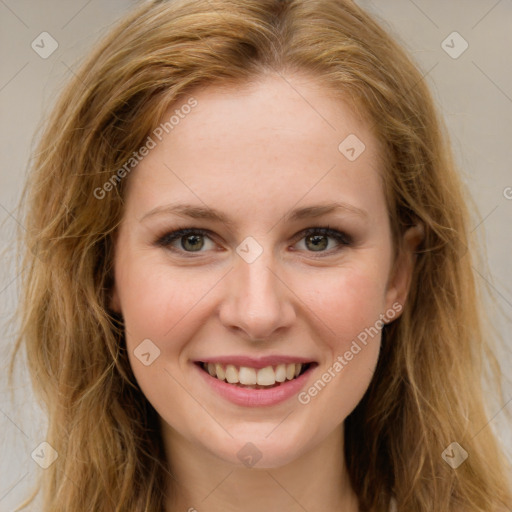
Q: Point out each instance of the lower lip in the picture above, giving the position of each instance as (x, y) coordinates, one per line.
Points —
(256, 397)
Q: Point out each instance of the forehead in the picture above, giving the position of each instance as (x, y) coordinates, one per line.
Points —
(257, 141)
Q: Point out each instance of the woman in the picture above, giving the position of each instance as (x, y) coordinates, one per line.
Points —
(248, 284)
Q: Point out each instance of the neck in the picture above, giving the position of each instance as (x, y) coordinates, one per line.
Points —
(316, 481)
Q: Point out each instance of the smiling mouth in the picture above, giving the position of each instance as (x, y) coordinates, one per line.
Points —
(255, 378)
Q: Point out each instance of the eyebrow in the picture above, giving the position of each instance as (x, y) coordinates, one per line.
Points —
(200, 212)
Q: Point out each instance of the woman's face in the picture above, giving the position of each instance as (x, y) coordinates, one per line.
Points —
(261, 290)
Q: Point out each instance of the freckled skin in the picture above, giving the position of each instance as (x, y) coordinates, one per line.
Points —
(255, 153)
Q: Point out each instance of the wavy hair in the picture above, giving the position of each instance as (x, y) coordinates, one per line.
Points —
(427, 388)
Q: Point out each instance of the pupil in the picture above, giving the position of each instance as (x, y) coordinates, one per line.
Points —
(194, 238)
(319, 241)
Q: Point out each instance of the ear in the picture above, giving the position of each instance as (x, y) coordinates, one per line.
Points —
(401, 272)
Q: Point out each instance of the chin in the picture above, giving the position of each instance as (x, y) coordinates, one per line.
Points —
(259, 450)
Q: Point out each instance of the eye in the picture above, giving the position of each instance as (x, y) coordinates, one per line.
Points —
(317, 239)
(192, 240)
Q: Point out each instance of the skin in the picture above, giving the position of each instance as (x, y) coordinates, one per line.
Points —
(255, 153)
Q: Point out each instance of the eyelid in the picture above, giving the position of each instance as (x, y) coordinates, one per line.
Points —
(343, 239)
(342, 236)
(171, 236)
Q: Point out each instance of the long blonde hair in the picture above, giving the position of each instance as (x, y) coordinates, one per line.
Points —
(426, 392)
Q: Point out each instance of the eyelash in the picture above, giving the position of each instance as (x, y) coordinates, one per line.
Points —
(343, 239)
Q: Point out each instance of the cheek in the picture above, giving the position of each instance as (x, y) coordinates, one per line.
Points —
(159, 309)
(349, 304)
(155, 301)
(347, 300)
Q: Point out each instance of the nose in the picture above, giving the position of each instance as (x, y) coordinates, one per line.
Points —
(257, 300)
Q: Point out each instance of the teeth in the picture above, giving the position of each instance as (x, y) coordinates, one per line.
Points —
(247, 376)
(231, 374)
(266, 376)
(252, 377)
(280, 373)
(220, 372)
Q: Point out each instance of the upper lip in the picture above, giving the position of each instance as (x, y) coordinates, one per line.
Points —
(255, 362)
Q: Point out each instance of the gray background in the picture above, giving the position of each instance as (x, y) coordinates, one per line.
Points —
(474, 91)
